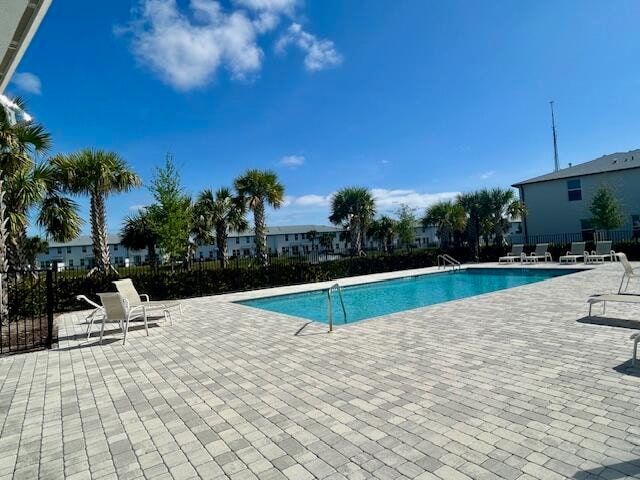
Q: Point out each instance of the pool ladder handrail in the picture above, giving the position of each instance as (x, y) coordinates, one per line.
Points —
(338, 289)
(446, 259)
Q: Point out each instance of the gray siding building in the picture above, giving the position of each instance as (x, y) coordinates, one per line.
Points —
(558, 203)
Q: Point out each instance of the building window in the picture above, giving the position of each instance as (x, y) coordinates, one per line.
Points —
(115, 248)
(248, 240)
(574, 189)
(237, 240)
(68, 249)
(295, 236)
(84, 249)
(82, 262)
(71, 262)
(286, 238)
(210, 253)
(587, 230)
(303, 236)
(59, 251)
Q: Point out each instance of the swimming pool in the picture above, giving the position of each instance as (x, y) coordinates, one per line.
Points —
(380, 298)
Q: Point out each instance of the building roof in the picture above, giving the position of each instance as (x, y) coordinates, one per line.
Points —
(85, 240)
(607, 163)
(18, 23)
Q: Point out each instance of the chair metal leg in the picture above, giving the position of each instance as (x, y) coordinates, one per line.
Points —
(104, 320)
(621, 283)
(126, 329)
(144, 316)
(635, 351)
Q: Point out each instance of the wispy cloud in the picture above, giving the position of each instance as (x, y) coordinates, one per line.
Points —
(292, 161)
(319, 53)
(487, 175)
(137, 208)
(27, 82)
(186, 49)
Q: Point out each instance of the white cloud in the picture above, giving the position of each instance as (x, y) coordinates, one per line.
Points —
(137, 208)
(319, 53)
(187, 48)
(292, 160)
(27, 82)
(386, 199)
(487, 175)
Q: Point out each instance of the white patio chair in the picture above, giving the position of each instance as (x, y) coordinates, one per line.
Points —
(97, 309)
(513, 255)
(629, 272)
(578, 251)
(540, 253)
(128, 291)
(118, 309)
(601, 253)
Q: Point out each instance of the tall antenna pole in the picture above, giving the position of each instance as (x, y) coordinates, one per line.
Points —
(555, 140)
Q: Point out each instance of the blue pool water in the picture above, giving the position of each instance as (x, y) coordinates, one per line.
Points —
(381, 298)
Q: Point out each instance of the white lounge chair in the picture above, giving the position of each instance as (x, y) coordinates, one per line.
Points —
(636, 338)
(601, 253)
(578, 251)
(540, 253)
(629, 272)
(617, 298)
(118, 309)
(513, 255)
(128, 291)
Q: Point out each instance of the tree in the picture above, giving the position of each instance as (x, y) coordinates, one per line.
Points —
(606, 213)
(259, 188)
(97, 174)
(171, 214)
(383, 230)
(221, 212)
(354, 208)
(32, 247)
(28, 185)
(326, 241)
(312, 236)
(449, 218)
(474, 208)
(406, 225)
(138, 232)
(498, 205)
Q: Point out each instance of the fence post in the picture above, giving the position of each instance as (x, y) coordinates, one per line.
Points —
(49, 308)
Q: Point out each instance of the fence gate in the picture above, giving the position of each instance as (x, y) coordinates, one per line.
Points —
(26, 310)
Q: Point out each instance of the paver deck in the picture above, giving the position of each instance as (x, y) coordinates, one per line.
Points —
(515, 384)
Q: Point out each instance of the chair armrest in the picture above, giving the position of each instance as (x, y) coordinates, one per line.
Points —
(146, 297)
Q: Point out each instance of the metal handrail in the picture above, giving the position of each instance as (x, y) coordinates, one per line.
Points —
(446, 259)
(337, 288)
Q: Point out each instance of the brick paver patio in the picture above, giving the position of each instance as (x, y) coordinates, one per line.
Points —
(515, 384)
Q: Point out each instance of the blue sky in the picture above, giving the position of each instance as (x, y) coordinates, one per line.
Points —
(417, 99)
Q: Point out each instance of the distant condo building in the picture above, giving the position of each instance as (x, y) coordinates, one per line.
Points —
(282, 241)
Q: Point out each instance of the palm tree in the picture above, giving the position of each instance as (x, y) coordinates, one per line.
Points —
(27, 185)
(326, 241)
(312, 236)
(96, 173)
(138, 232)
(220, 212)
(354, 208)
(259, 188)
(499, 205)
(475, 209)
(383, 230)
(449, 218)
(32, 247)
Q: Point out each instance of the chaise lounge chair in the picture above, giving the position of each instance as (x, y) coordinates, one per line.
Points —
(619, 298)
(578, 251)
(128, 291)
(601, 253)
(540, 253)
(629, 272)
(513, 255)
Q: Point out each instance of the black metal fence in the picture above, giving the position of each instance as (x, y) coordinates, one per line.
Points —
(26, 311)
(584, 236)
